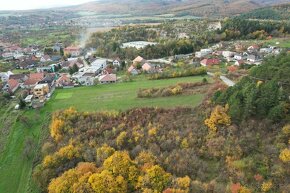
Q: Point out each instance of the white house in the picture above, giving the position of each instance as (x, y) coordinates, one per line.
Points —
(45, 58)
(117, 62)
(99, 65)
(5, 76)
(228, 54)
(203, 52)
(238, 57)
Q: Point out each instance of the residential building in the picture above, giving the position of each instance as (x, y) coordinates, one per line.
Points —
(40, 91)
(11, 86)
(117, 62)
(108, 78)
(5, 76)
(210, 62)
(73, 51)
(132, 70)
(139, 60)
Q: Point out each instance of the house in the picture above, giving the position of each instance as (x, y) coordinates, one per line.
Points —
(203, 53)
(5, 76)
(139, 60)
(84, 77)
(40, 91)
(107, 71)
(108, 78)
(73, 51)
(44, 69)
(12, 85)
(55, 58)
(132, 70)
(33, 79)
(238, 57)
(147, 67)
(266, 50)
(7, 55)
(239, 62)
(253, 58)
(99, 65)
(21, 78)
(253, 48)
(48, 79)
(57, 47)
(71, 62)
(117, 62)
(45, 58)
(210, 62)
(228, 54)
(64, 81)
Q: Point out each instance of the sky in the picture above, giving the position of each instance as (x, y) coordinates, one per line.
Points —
(37, 4)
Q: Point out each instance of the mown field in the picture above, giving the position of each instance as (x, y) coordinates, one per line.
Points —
(31, 126)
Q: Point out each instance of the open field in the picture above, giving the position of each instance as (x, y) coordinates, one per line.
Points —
(16, 169)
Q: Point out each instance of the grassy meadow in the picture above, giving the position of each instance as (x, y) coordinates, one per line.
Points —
(16, 168)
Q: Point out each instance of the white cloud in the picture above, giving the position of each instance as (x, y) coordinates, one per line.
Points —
(37, 4)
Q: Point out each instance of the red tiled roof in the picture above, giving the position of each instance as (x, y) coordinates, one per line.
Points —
(12, 84)
(138, 59)
(108, 78)
(37, 76)
(71, 48)
(131, 68)
(210, 62)
(31, 81)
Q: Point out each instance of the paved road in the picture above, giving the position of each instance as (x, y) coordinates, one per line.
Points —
(224, 79)
(227, 81)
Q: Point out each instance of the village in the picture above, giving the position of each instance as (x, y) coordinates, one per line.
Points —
(39, 72)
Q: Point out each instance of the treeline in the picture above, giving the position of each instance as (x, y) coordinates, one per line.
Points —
(178, 72)
(178, 89)
(237, 28)
(264, 93)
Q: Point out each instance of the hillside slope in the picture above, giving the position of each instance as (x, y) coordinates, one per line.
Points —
(178, 7)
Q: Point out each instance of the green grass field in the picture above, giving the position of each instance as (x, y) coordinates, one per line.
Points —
(16, 169)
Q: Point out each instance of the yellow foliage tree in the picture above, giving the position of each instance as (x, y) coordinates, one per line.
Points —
(244, 189)
(266, 186)
(218, 117)
(285, 155)
(121, 138)
(104, 152)
(120, 164)
(105, 182)
(183, 183)
(56, 129)
(155, 178)
(63, 183)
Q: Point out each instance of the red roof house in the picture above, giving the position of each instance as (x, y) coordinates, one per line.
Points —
(210, 62)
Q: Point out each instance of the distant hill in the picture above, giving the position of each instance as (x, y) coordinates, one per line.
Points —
(279, 12)
(177, 7)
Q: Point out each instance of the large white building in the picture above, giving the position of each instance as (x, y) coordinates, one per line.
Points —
(137, 44)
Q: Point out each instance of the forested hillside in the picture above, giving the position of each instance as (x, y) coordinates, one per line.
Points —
(207, 149)
(281, 12)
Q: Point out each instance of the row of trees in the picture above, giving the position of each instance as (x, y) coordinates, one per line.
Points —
(177, 89)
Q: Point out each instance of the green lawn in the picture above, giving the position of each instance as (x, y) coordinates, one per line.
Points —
(16, 170)
(120, 96)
